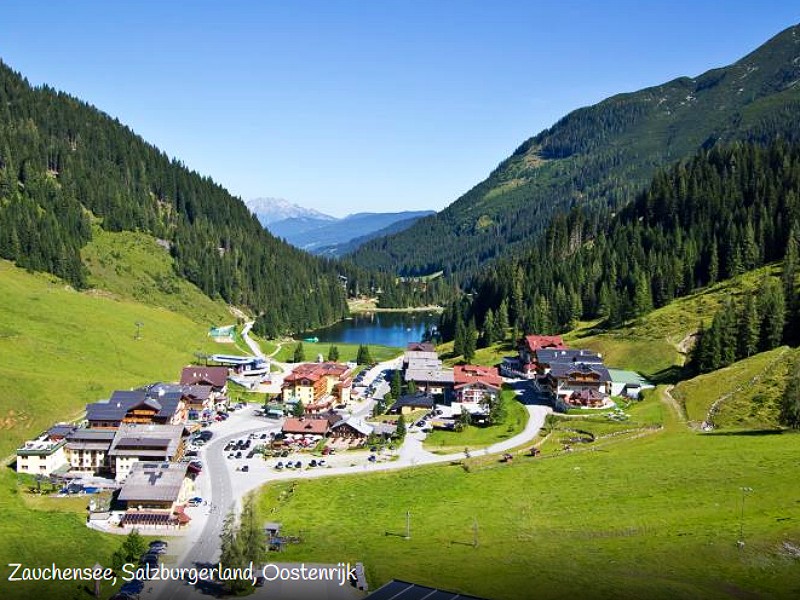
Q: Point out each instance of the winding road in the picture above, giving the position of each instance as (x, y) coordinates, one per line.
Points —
(216, 483)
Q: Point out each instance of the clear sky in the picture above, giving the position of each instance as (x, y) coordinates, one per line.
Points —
(377, 105)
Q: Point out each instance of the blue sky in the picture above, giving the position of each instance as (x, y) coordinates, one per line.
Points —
(364, 106)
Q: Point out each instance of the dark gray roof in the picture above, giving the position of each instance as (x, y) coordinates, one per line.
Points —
(418, 400)
(403, 590)
(85, 435)
(90, 439)
(153, 440)
(61, 430)
(121, 401)
(552, 355)
(156, 390)
(160, 481)
(561, 370)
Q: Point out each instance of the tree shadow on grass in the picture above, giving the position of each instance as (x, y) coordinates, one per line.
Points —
(671, 375)
(750, 432)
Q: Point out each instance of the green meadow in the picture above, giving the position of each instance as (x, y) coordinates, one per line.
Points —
(658, 516)
(474, 437)
(347, 352)
(60, 349)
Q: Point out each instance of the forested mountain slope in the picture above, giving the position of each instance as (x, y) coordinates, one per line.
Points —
(726, 211)
(64, 163)
(599, 157)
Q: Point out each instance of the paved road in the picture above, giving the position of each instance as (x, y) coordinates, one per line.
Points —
(224, 492)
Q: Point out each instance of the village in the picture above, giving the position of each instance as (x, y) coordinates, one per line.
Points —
(147, 445)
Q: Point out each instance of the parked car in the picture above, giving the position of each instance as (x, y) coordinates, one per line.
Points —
(279, 465)
(322, 462)
(312, 463)
(298, 465)
(372, 458)
(245, 468)
(239, 454)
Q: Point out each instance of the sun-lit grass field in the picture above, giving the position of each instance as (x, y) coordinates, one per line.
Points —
(654, 517)
(474, 437)
(60, 349)
(347, 352)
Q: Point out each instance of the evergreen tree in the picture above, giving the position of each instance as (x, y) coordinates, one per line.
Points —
(502, 319)
(299, 353)
(772, 307)
(499, 410)
(412, 386)
(789, 279)
(790, 400)
(489, 334)
(396, 384)
(363, 357)
(470, 340)
(299, 409)
(749, 329)
(401, 427)
(643, 299)
(713, 264)
(460, 335)
(250, 533)
(333, 353)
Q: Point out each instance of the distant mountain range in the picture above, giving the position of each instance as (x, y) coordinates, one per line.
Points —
(272, 210)
(319, 233)
(598, 158)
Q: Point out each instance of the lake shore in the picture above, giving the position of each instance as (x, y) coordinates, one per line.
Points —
(370, 306)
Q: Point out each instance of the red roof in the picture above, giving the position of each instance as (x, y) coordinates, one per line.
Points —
(214, 376)
(463, 374)
(537, 342)
(306, 425)
(314, 371)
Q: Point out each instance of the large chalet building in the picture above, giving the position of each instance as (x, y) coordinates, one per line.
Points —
(319, 386)
(475, 387)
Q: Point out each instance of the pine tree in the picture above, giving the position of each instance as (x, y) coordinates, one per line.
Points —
(713, 264)
(299, 409)
(749, 329)
(643, 298)
(502, 319)
(489, 328)
(470, 339)
(789, 279)
(459, 339)
(397, 384)
(250, 533)
(363, 357)
(333, 353)
(299, 353)
(790, 400)
(773, 310)
(400, 433)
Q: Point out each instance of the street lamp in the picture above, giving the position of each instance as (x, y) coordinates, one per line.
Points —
(745, 491)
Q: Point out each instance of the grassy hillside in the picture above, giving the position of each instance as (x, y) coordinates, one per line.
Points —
(656, 344)
(656, 517)
(132, 265)
(747, 392)
(60, 349)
